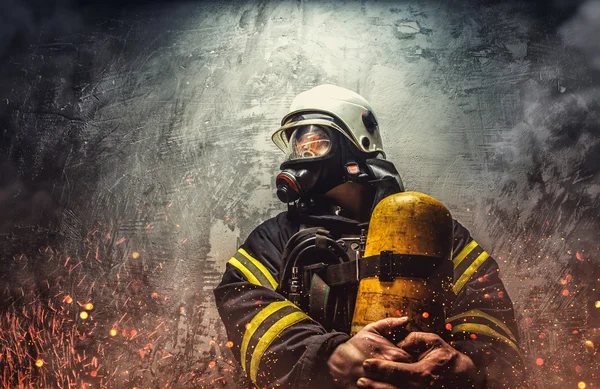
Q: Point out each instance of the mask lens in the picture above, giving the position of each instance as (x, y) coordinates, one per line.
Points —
(309, 142)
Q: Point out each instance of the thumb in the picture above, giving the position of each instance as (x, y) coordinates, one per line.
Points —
(387, 327)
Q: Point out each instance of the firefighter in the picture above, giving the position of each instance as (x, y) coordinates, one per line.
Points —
(334, 174)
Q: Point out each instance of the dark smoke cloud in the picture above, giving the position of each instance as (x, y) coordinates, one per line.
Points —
(23, 23)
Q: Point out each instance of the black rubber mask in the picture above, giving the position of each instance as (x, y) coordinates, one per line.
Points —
(314, 164)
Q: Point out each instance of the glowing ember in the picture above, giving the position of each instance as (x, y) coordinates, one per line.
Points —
(579, 257)
(597, 304)
(581, 385)
(211, 364)
(248, 326)
(93, 373)
(425, 315)
(68, 299)
(565, 292)
(135, 255)
(39, 362)
(83, 315)
(539, 361)
(229, 344)
(113, 332)
(88, 306)
(589, 343)
(154, 295)
(473, 336)
(501, 294)
(448, 326)
(133, 333)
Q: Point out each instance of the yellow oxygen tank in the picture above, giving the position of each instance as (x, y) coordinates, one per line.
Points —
(407, 267)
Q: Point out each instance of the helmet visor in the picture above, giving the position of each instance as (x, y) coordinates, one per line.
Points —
(308, 142)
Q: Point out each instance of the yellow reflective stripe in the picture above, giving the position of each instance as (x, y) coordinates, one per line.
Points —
(249, 276)
(469, 272)
(269, 337)
(257, 321)
(260, 267)
(464, 252)
(484, 330)
(478, 313)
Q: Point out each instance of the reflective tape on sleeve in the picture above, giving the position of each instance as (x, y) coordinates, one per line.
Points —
(462, 280)
(252, 327)
(261, 268)
(476, 313)
(463, 253)
(273, 332)
(482, 329)
(254, 271)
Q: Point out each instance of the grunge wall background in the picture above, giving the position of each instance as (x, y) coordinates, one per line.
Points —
(135, 157)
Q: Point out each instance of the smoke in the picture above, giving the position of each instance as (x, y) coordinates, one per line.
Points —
(583, 30)
(547, 200)
(23, 23)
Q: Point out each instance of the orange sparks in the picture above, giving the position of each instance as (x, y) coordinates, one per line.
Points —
(83, 315)
(133, 333)
(597, 304)
(565, 292)
(113, 332)
(473, 336)
(68, 299)
(501, 294)
(39, 362)
(579, 257)
(211, 364)
(229, 344)
(121, 241)
(248, 326)
(425, 315)
(93, 373)
(154, 295)
(448, 326)
(581, 385)
(589, 343)
(135, 255)
(88, 306)
(539, 361)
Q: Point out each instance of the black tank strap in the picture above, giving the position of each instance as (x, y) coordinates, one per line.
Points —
(386, 266)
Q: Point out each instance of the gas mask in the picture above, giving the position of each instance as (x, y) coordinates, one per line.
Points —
(313, 164)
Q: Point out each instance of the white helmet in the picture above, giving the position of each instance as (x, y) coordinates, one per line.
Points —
(352, 114)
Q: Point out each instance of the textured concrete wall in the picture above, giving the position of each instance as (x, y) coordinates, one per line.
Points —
(136, 156)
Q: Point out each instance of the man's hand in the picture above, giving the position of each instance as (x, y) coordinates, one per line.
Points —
(346, 362)
(438, 365)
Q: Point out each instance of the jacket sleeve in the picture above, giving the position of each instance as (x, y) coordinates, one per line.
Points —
(482, 319)
(276, 344)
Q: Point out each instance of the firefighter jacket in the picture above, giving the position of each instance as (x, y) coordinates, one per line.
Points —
(278, 345)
